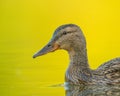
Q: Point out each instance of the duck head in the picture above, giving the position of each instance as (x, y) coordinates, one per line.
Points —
(67, 37)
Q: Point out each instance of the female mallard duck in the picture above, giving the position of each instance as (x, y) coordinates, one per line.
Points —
(70, 38)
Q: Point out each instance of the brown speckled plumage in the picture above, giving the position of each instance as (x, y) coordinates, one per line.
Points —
(70, 38)
(108, 73)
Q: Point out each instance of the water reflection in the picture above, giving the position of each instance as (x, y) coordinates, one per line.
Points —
(93, 91)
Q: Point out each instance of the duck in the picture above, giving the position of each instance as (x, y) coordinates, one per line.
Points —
(70, 37)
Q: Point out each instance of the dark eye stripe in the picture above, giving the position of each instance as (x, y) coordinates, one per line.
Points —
(64, 33)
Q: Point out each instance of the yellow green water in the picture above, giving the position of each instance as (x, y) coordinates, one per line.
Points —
(27, 25)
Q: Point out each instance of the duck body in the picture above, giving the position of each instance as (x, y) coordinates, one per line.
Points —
(108, 73)
(70, 38)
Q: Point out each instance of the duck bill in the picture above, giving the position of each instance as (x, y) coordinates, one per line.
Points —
(48, 48)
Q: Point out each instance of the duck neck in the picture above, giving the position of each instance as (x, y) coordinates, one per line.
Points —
(79, 58)
(78, 70)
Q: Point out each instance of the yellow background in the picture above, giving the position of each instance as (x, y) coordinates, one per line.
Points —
(27, 25)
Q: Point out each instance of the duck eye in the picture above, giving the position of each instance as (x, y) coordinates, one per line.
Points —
(64, 33)
(49, 45)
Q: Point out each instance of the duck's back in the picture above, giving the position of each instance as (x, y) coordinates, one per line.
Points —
(109, 72)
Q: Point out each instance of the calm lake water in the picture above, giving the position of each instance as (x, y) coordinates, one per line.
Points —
(21, 75)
